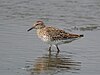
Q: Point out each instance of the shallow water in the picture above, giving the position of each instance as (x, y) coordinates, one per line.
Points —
(22, 53)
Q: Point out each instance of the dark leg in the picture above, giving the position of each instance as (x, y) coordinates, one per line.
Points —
(50, 48)
(57, 49)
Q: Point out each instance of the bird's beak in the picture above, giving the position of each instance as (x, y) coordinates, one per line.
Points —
(30, 28)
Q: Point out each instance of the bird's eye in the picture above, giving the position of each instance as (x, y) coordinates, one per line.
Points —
(37, 24)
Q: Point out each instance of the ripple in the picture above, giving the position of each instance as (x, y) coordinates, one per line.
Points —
(89, 27)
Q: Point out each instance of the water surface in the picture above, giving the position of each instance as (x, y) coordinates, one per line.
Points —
(22, 53)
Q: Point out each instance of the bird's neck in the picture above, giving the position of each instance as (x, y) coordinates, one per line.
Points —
(39, 33)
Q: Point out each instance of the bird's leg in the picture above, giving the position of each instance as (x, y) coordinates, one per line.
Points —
(57, 49)
(50, 48)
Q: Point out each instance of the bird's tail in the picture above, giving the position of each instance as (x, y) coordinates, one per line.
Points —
(81, 35)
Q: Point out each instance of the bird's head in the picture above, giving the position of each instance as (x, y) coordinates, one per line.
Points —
(37, 25)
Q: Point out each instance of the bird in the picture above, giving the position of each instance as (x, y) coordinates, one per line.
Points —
(53, 36)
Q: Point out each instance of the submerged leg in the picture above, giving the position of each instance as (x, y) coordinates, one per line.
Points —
(57, 49)
(50, 48)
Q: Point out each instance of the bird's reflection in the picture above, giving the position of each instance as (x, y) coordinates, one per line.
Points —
(54, 63)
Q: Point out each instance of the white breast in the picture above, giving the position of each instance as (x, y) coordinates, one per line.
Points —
(45, 38)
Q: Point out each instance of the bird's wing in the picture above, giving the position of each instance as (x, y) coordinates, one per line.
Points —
(57, 34)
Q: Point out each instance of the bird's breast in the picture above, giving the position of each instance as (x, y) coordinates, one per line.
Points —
(43, 35)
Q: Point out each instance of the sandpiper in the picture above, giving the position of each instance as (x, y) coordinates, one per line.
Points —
(52, 35)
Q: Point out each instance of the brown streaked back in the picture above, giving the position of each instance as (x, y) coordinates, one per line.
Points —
(57, 34)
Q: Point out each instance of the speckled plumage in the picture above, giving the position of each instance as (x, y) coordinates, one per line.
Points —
(53, 36)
